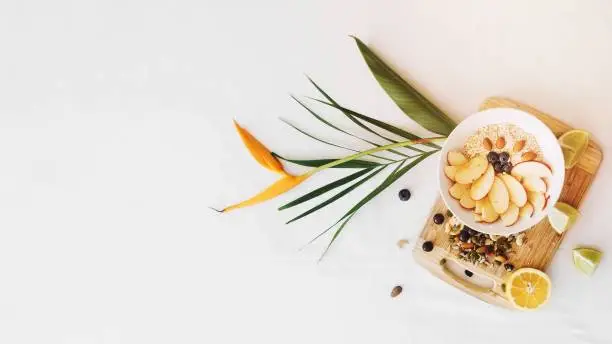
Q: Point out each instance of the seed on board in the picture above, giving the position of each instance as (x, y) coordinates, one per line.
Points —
(438, 219)
(528, 156)
(428, 246)
(402, 242)
(520, 239)
(500, 143)
(518, 146)
(500, 259)
(487, 144)
(396, 290)
(468, 273)
(508, 267)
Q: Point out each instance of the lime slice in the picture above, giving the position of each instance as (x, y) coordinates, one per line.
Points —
(573, 143)
(586, 259)
(562, 217)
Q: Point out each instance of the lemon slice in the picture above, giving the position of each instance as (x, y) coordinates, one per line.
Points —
(528, 289)
(586, 259)
(573, 143)
(562, 217)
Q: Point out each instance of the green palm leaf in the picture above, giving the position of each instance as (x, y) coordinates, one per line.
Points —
(320, 162)
(409, 100)
(391, 178)
(336, 196)
(330, 143)
(383, 125)
(342, 130)
(352, 117)
(325, 188)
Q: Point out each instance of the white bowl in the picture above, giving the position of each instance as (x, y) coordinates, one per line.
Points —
(551, 151)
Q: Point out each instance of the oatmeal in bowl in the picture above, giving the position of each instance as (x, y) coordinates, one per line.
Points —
(501, 170)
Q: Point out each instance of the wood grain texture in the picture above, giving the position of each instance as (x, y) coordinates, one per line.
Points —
(541, 241)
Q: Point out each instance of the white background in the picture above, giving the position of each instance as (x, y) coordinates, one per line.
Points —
(116, 134)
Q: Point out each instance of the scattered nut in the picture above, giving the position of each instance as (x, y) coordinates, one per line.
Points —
(528, 156)
(500, 143)
(401, 243)
(520, 239)
(396, 290)
(500, 259)
(518, 146)
(487, 144)
(467, 245)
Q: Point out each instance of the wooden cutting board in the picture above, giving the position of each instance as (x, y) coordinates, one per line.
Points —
(542, 241)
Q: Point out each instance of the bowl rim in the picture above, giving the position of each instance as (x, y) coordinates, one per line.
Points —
(556, 162)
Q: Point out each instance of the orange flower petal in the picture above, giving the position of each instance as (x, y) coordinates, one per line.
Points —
(279, 187)
(259, 151)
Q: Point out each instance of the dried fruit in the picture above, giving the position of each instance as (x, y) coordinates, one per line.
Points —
(404, 195)
(396, 290)
(500, 143)
(487, 144)
(528, 156)
(438, 219)
(428, 246)
(492, 157)
(504, 157)
(518, 146)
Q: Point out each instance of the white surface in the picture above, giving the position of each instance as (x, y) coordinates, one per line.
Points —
(116, 135)
(549, 147)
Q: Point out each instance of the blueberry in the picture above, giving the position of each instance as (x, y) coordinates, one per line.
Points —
(428, 246)
(468, 273)
(504, 157)
(438, 219)
(508, 267)
(404, 195)
(498, 167)
(507, 167)
(493, 157)
(464, 235)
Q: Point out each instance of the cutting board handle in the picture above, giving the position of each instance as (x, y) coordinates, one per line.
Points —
(465, 284)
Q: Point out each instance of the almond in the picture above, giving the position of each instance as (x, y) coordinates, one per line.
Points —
(500, 143)
(487, 144)
(500, 259)
(528, 156)
(518, 146)
(467, 245)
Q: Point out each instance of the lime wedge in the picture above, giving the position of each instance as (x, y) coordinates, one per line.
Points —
(562, 217)
(586, 259)
(573, 143)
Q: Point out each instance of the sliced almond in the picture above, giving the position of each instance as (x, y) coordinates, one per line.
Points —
(487, 144)
(500, 143)
(518, 146)
(528, 156)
